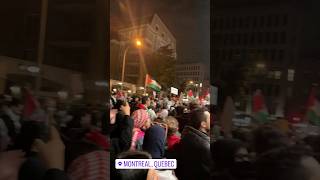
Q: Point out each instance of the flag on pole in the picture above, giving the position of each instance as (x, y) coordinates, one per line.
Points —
(259, 107)
(151, 83)
(190, 93)
(313, 109)
(30, 104)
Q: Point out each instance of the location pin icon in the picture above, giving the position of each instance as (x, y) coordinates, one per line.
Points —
(119, 163)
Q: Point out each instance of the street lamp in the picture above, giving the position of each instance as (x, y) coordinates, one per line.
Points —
(138, 44)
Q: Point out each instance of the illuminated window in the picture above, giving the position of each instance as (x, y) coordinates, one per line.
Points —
(291, 73)
(277, 74)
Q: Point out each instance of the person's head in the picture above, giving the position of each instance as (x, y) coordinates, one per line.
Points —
(193, 105)
(141, 119)
(82, 119)
(266, 138)
(294, 163)
(16, 106)
(145, 101)
(135, 174)
(180, 110)
(173, 125)
(86, 119)
(136, 99)
(200, 120)
(226, 152)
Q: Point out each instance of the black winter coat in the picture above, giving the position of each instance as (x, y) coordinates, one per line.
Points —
(193, 155)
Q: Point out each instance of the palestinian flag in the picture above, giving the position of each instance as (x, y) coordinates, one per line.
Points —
(190, 93)
(313, 109)
(259, 107)
(151, 83)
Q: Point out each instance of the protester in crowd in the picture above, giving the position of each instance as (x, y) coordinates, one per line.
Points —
(182, 117)
(145, 104)
(193, 152)
(163, 113)
(121, 130)
(294, 163)
(11, 118)
(154, 141)
(267, 138)
(173, 127)
(141, 123)
(134, 104)
(231, 160)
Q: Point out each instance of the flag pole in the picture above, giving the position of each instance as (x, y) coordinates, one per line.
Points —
(145, 84)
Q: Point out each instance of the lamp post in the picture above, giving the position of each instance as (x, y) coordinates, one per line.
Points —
(138, 44)
(41, 46)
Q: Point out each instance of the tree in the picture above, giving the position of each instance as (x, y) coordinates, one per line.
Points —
(233, 77)
(161, 66)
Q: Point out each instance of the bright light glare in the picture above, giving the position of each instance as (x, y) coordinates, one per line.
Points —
(138, 43)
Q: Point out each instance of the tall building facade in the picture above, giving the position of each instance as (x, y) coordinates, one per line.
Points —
(266, 35)
(153, 33)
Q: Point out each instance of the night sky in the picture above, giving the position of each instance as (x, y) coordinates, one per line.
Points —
(188, 21)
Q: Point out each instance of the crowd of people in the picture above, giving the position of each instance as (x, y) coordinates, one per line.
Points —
(160, 128)
(44, 139)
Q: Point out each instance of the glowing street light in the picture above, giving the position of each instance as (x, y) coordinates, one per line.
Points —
(138, 44)
(261, 65)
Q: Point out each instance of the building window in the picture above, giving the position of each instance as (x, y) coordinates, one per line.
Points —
(289, 91)
(221, 23)
(262, 21)
(275, 38)
(269, 21)
(277, 75)
(283, 38)
(252, 38)
(157, 28)
(273, 55)
(228, 22)
(233, 23)
(270, 74)
(268, 40)
(255, 21)
(260, 37)
(291, 73)
(285, 20)
(277, 90)
(247, 22)
(281, 55)
(276, 21)
(245, 39)
(240, 22)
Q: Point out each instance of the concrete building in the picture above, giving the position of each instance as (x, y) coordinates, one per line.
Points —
(268, 34)
(153, 33)
(75, 46)
(191, 72)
